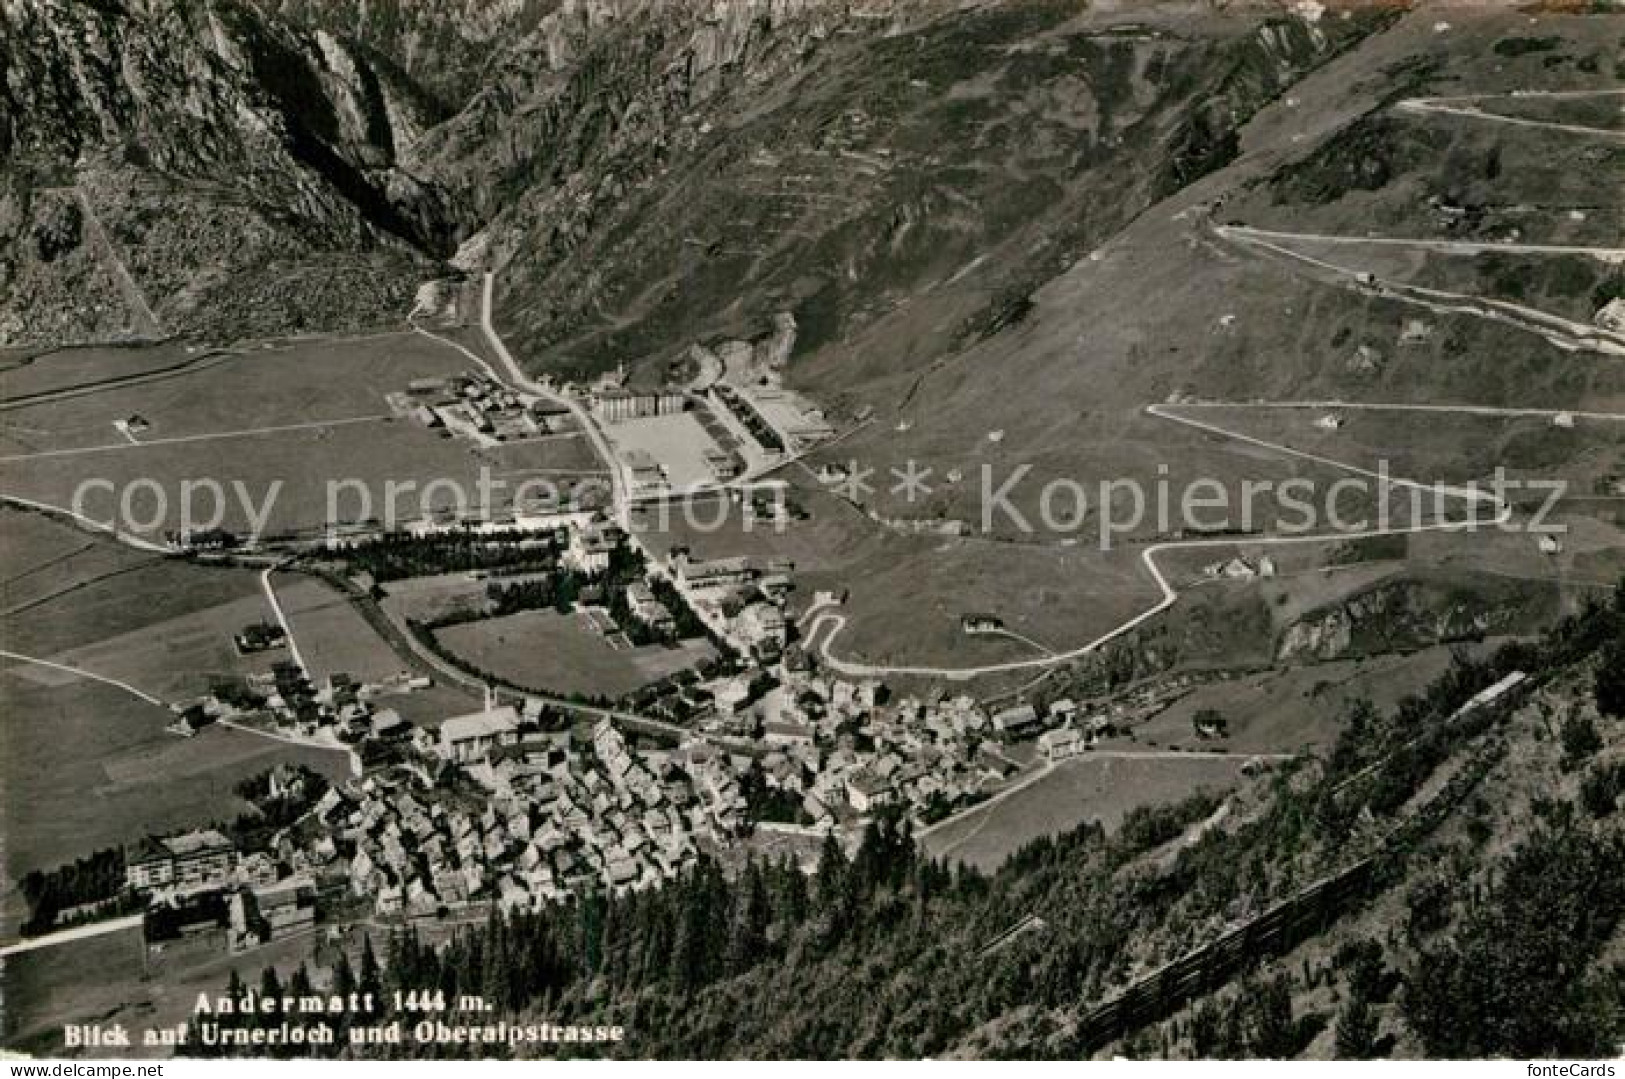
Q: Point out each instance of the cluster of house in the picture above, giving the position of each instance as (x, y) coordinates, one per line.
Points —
(284, 694)
(341, 707)
(559, 811)
(562, 813)
(475, 406)
(648, 609)
(847, 752)
(739, 602)
(858, 754)
(558, 815)
(591, 545)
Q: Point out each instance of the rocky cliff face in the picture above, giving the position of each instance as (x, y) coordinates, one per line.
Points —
(648, 174)
(1415, 612)
(446, 46)
(205, 148)
(688, 173)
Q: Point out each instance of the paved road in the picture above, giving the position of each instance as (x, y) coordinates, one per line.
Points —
(1449, 247)
(518, 378)
(1148, 557)
(80, 519)
(282, 616)
(1564, 333)
(65, 936)
(1331, 405)
(80, 672)
(1466, 106)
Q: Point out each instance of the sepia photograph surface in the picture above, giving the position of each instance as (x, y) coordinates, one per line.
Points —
(780, 530)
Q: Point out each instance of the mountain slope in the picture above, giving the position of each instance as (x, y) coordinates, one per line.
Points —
(221, 155)
(678, 175)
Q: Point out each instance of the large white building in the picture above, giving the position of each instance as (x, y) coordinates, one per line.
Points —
(189, 860)
(615, 404)
(469, 738)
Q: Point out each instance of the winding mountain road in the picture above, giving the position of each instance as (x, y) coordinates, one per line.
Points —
(1463, 105)
(1148, 557)
(1563, 333)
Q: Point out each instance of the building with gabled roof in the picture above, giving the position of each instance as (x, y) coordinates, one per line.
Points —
(470, 737)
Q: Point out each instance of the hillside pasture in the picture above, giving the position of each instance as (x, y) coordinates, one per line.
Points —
(293, 433)
(90, 766)
(332, 636)
(1074, 792)
(274, 384)
(1295, 709)
(550, 652)
(32, 373)
(180, 657)
(93, 590)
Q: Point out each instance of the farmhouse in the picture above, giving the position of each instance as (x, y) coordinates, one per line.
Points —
(189, 860)
(191, 720)
(647, 609)
(387, 723)
(260, 637)
(1416, 332)
(1017, 721)
(1061, 743)
(866, 792)
(1611, 316)
(468, 738)
(978, 622)
(591, 547)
